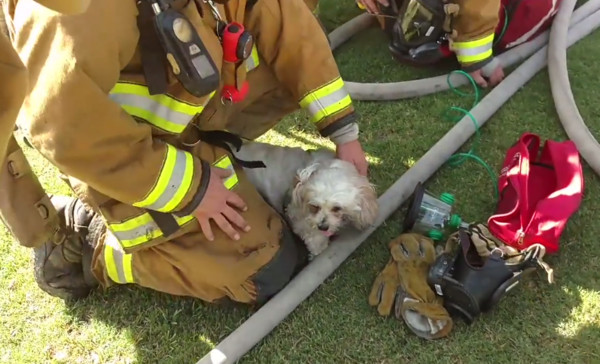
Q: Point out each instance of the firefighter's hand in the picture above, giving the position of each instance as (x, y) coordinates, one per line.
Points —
(220, 204)
(352, 152)
(494, 78)
(371, 5)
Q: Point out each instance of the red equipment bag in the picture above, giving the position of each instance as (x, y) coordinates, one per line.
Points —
(537, 194)
(526, 20)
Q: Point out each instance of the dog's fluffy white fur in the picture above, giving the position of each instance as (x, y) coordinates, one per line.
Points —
(324, 193)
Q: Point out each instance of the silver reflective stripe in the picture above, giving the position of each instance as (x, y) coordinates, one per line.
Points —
(321, 104)
(152, 106)
(250, 64)
(174, 182)
(149, 229)
(120, 264)
(465, 52)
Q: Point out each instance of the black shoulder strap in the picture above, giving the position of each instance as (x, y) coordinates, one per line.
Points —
(165, 222)
(153, 56)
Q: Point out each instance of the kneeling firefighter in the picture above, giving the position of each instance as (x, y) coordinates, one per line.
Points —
(425, 32)
(139, 104)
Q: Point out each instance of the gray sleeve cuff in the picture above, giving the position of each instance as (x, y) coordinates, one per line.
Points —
(490, 67)
(345, 134)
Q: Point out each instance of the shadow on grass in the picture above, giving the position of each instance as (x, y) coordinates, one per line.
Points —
(163, 328)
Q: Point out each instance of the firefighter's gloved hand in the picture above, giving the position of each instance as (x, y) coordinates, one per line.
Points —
(416, 303)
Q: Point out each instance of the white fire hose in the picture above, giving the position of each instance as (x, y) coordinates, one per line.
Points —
(564, 101)
(261, 323)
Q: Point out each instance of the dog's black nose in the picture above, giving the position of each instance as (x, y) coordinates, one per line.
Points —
(323, 226)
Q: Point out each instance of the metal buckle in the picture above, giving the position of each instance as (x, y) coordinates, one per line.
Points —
(191, 145)
(497, 250)
(214, 10)
(536, 253)
(226, 98)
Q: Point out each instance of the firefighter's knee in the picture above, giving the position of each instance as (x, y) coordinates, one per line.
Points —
(275, 275)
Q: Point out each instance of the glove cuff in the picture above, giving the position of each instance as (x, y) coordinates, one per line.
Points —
(429, 321)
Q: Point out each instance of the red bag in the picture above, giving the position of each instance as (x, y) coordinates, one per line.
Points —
(527, 19)
(537, 194)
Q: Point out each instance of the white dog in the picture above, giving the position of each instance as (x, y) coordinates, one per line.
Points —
(315, 191)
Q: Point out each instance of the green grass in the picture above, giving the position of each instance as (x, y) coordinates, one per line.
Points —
(537, 323)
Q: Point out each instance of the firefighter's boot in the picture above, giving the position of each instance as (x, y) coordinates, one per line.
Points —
(63, 265)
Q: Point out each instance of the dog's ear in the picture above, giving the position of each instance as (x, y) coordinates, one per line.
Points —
(304, 174)
(367, 205)
(300, 180)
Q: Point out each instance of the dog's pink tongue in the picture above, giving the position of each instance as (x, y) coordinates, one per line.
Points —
(328, 234)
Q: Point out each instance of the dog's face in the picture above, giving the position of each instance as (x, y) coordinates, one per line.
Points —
(331, 193)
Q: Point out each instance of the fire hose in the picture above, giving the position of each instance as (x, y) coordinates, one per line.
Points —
(564, 102)
(263, 321)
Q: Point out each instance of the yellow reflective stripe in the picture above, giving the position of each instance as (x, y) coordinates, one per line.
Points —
(174, 181)
(131, 223)
(140, 238)
(162, 111)
(327, 100)
(154, 119)
(118, 263)
(252, 62)
(184, 186)
(141, 229)
(225, 163)
(109, 260)
(474, 43)
(165, 100)
(469, 58)
(475, 50)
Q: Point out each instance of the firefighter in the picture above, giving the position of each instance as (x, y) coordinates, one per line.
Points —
(161, 201)
(471, 35)
(423, 33)
(25, 207)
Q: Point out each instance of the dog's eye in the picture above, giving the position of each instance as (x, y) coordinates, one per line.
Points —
(336, 209)
(314, 208)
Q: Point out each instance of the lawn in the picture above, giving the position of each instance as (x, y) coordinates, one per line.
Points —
(536, 323)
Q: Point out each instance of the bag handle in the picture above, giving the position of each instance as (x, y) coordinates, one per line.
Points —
(527, 148)
(527, 145)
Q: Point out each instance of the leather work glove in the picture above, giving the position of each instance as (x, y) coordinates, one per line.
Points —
(403, 284)
(486, 243)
